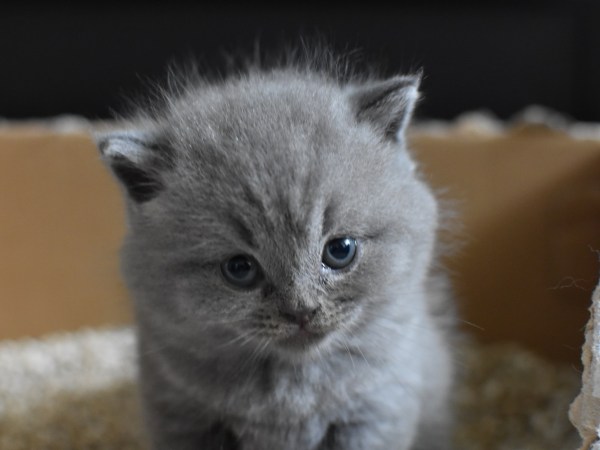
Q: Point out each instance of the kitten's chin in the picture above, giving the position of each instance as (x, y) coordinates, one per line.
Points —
(301, 344)
(302, 339)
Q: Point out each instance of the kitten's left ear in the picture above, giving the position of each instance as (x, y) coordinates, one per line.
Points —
(388, 105)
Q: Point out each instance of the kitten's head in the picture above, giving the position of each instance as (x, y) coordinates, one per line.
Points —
(276, 209)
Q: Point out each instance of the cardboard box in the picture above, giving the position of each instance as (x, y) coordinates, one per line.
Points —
(60, 232)
(526, 201)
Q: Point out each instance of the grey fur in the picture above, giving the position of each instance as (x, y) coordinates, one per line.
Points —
(274, 164)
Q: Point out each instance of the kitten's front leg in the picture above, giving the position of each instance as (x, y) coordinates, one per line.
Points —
(387, 435)
(174, 424)
(388, 420)
(214, 437)
(367, 436)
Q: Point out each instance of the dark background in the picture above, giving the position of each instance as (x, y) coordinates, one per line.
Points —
(499, 56)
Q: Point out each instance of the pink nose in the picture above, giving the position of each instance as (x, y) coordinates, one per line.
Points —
(300, 316)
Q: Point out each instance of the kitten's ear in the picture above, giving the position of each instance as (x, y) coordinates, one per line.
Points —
(388, 105)
(136, 159)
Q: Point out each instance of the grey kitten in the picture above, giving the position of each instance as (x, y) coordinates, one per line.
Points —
(279, 253)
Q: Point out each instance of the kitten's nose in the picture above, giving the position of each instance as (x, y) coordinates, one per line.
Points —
(301, 316)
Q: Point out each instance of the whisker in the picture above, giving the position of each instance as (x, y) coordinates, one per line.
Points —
(244, 337)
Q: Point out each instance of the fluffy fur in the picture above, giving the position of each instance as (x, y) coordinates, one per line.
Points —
(274, 164)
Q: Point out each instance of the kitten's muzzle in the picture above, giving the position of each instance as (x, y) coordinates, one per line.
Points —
(300, 316)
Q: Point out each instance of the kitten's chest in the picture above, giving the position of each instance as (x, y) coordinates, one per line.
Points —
(273, 392)
(280, 407)
(305, 434)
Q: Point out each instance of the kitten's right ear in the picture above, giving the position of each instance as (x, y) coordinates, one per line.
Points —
(136, 159)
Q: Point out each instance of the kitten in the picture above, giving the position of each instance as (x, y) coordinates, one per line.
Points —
(280, 253)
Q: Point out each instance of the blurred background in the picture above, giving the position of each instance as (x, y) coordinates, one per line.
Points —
(500, 56)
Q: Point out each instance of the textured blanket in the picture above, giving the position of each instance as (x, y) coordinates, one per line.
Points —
(72, 391)
(77, 391)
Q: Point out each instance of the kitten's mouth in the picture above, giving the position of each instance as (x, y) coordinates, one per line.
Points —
(302, 338)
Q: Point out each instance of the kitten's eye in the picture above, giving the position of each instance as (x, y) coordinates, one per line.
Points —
(339, 253)
(241, 271)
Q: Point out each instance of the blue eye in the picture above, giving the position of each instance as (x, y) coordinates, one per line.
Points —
(241, 271)
(339, 253)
